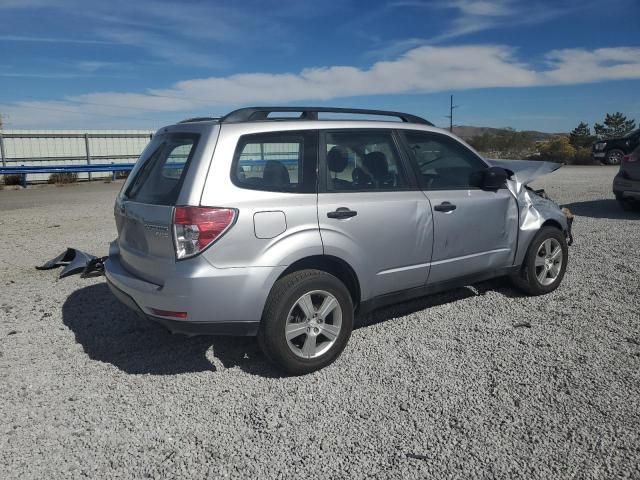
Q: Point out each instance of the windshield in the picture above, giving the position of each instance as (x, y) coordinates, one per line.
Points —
(632, 133)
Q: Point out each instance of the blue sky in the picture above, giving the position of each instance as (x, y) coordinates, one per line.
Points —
(543, 65)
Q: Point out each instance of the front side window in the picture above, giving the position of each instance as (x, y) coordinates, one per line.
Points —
(443, 163)
(362, 160)
(272, 161)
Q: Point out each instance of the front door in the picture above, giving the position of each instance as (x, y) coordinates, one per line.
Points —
(475, 230)
(370, 214)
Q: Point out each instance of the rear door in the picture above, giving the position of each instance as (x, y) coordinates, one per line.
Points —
(370, 211)
(474, 230)
(144, 208)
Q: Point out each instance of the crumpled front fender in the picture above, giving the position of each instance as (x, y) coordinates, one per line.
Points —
(534, 209)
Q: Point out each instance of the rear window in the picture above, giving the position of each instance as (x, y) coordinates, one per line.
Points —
(159, 179)
(270, 161)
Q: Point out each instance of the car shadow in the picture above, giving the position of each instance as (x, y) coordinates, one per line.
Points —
(605, 208)
(110, 332)
(500, 285)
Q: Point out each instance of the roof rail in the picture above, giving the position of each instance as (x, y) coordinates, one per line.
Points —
(311, 113)
(198, 119)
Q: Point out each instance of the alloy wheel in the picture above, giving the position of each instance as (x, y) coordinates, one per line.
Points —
(313, 324)
(548, 262)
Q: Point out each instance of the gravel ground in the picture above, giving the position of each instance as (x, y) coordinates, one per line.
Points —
(453, 386)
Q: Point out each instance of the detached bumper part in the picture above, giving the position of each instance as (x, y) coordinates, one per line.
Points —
(75, 261)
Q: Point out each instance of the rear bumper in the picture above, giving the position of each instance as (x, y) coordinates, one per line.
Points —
(218, 302)
(186, 327)
(626, 189)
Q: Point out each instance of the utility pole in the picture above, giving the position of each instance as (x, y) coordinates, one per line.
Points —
(450, 116)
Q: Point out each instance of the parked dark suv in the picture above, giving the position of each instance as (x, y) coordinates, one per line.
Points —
(626, 184)
(611, 151)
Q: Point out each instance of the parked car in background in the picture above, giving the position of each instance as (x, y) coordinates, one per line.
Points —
(259, 223)
(626, 184)
(611, 151)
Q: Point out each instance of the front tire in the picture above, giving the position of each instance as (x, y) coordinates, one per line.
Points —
(545, 263)
(307, 321)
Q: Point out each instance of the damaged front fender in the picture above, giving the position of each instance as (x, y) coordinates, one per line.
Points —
(535, 208)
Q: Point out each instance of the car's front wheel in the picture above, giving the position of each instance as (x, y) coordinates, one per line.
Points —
(545, 262)
(307, 321)
(614, 157)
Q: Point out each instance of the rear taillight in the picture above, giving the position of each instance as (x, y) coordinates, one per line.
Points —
(629, 158)
(195, 228)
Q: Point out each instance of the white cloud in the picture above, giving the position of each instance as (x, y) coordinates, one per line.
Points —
(473, 16)
(33, 39)
(424, 69)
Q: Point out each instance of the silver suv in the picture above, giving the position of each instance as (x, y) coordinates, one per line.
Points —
(279, 223)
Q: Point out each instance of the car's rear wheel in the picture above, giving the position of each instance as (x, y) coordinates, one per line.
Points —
(614, 157)
(624, 203)
(307, 321)
(545, 262)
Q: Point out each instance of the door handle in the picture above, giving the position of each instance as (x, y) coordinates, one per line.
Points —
(445, 207)
(342, 212)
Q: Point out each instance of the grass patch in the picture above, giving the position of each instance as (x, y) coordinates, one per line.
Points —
(11, 180)
(63, 178)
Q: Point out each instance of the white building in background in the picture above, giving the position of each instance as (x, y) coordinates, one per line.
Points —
(68, 147)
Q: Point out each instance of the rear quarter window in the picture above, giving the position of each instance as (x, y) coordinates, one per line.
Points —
(276, 161)
(159, 179)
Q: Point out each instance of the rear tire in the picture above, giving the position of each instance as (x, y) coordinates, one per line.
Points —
(307, 321)
(544, 264)
(625, 204)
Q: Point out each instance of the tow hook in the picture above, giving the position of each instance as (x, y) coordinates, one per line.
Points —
(76, 261)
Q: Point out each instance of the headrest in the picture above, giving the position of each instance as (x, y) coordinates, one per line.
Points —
(275, 173)
(337, 159)
(376, 163)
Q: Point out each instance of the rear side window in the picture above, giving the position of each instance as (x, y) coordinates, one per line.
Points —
(276, 161)
(159, 179)
(363, 160)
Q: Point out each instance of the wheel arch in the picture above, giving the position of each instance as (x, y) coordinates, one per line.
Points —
(552, 223)
(332, 265)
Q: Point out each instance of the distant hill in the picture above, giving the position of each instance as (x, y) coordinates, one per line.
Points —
(466, 132)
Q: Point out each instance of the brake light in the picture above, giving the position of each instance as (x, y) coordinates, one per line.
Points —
(195, 228)
(629, 158)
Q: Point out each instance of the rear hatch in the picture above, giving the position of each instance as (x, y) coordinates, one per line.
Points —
(144, 208)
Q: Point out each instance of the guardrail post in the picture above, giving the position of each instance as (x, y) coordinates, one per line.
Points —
(23, 179)
(4, 161)
(86, 146)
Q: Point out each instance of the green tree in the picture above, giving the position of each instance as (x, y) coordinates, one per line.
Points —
(615, 125)
(580, 137)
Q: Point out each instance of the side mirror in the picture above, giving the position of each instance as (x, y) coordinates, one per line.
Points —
(494, 178)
